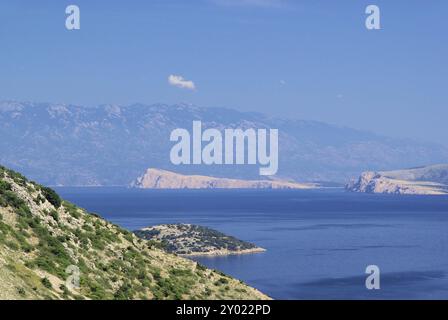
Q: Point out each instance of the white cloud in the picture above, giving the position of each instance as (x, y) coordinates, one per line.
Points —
(180, 82)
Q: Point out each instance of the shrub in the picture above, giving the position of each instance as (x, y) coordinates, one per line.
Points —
(200, 267)
(21, 291)
(125, 292)
(128, 236)
(65, 291)
(9, 198)
(87, 228)
(52, 196)
(17, 177)
(96, 291)
(181, 272)
(55, 215)
(5, 186)
(46, 283)
(39, 200)
(52, 255)
(221, 281)
(12, 245)
(71, 209)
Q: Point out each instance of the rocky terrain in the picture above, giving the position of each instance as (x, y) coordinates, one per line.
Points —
(162, 179)
(59, 144)
(187, 239)
(46, 241)
(430, 180)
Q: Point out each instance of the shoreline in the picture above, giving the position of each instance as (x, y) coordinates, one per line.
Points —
(221, 253)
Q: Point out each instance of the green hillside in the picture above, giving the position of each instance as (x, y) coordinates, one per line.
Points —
(43, 238)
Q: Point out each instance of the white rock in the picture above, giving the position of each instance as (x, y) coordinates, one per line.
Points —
(162, 179)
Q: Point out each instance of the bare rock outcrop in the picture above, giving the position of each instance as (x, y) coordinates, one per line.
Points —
(162, 179)
(430, 180)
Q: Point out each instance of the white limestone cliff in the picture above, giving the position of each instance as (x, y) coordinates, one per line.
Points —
(429, 180)
(162, 179)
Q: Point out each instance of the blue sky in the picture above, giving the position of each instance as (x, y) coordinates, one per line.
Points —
(297, 59)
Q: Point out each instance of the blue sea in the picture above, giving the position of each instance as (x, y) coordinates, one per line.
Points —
(318, 242)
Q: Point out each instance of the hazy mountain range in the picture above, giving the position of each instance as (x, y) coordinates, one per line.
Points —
(62, 144)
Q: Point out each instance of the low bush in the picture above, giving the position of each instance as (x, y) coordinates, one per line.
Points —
(46, 283)
(51, 196)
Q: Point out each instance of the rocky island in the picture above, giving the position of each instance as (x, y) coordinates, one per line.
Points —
(162, 179)
(188, 239)
(428, 180)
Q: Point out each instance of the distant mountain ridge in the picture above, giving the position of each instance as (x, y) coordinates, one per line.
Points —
(162, 179)
(429, 180)
(107, 145)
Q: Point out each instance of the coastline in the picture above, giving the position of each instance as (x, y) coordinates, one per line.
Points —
(221, 253)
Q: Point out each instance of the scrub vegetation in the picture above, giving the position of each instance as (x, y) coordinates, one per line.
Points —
(43, 237)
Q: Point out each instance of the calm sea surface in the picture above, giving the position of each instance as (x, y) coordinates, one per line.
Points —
(318, 243)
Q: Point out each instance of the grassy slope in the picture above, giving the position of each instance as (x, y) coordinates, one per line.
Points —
(41, 235)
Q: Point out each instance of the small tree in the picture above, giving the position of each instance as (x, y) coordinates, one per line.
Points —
(46, 283)
(52, 196)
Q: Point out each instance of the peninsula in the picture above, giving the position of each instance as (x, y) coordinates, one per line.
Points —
(162, 179)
